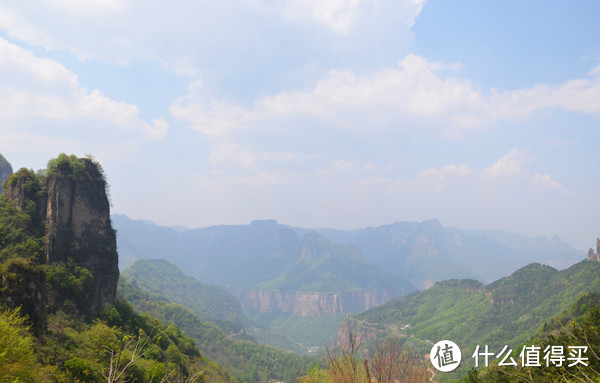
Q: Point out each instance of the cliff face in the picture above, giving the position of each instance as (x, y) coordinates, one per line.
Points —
(71, 207)
(314, 304)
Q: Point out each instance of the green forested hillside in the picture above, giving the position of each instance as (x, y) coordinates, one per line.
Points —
(506, 312)
(210, 302)
(247, 360)
(576, 327)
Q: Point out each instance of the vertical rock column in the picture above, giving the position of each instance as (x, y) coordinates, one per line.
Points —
(79, 230)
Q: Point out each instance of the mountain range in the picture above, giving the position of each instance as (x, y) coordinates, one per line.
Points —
(244, 257)
(297, 284)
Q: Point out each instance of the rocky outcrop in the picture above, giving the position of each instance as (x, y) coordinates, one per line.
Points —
(72, 210)
(314, 304)
(595, 256)
(349, 330)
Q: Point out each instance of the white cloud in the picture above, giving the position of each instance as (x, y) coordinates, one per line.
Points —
(576, 95)
(88, 6)
(510, 164)
(41, 98)
(413, 95)
(342, 165)
(545, 181)
(511, 169)
(343, 15)
(416, 98)
(447, 171)
(233, 153)
(263, 178)
(337, 14)
(229, 153)
(21, 29)
(382, 100)
(238, 34)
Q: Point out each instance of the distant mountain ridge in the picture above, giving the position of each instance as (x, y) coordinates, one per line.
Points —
(240, 257)
(426, 252)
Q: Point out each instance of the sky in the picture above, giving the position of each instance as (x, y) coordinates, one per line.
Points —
(317, 113)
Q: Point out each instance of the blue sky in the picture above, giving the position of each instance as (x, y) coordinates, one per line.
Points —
(330, 113)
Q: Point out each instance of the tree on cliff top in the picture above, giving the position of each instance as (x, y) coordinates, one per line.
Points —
(73, 166)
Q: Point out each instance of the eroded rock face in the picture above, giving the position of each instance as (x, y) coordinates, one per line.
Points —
(79, 230)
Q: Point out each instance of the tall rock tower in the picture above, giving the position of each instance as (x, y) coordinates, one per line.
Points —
(73, 210)
(595, 256)
(79, 229)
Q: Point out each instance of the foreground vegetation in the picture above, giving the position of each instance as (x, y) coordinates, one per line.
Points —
(389, 363)
(120, 346)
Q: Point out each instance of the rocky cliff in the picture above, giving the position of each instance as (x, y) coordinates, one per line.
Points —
(70, 203)
(360, 333)
(315, 304)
